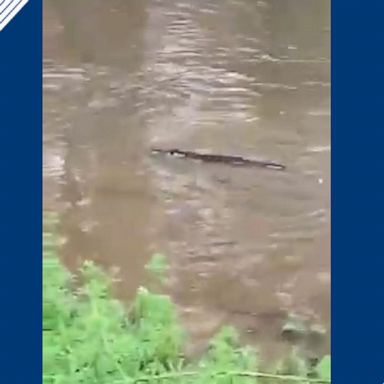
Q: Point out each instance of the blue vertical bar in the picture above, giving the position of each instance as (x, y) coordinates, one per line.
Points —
(357, 192)
(21, 195)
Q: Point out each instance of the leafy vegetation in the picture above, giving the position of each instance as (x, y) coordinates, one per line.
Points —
(89, 337)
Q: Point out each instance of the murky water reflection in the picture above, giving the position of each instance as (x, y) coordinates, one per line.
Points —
(241, 77)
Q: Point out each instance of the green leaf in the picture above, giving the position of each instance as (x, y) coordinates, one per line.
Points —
(157, 266)
(324, 368)
(90, 338)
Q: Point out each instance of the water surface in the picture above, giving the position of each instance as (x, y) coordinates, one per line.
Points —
(244, 77)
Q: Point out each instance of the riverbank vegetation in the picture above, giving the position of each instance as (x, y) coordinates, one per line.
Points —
(90, 337)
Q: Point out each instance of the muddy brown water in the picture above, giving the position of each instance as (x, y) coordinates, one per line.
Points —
(241, 77)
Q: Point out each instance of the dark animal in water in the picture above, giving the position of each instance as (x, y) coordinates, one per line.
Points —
(223, 159)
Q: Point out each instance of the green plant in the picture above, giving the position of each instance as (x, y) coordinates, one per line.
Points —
(89, 337)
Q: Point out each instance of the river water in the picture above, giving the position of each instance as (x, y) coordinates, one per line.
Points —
(238, 77)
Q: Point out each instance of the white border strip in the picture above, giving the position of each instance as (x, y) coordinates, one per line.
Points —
(4, 20)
